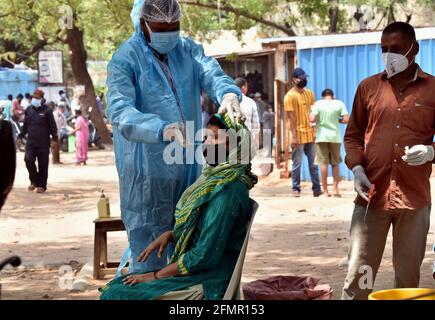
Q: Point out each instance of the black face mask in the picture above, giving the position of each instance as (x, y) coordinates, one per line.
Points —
(220, 154)
(302, 83)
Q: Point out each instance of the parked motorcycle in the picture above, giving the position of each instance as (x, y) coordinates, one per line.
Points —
(94, 137)
(20, 144)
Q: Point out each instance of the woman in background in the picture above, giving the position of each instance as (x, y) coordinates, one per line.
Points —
(82, 137)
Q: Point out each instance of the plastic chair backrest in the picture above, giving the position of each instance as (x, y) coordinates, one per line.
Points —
(233, 289)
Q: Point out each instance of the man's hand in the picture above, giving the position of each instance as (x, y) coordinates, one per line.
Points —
(231, 105)
(159, 244)
(133, 279)
(175, 132)
(362, 183)
(295, 141)
(418, 155)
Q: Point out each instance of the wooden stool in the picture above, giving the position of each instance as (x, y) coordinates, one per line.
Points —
(102, 226)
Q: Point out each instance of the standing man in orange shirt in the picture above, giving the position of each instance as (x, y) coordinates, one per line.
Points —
(389, 143)
(297, 104)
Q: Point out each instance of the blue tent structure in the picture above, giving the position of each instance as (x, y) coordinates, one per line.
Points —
(15, 81)
(342, 61)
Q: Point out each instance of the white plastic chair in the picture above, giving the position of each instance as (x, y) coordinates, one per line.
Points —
(233, 289)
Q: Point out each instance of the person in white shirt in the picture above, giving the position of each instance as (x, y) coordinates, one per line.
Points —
(249, 108)
(26, 101)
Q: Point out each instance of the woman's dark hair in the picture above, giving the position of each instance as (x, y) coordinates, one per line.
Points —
(7, 160)
(20, 96)
(217, 122)
(10, 97)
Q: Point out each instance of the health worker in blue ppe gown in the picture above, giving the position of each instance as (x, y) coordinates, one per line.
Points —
(154, 84)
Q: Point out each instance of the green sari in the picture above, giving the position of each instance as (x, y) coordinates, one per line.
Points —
(211, 220)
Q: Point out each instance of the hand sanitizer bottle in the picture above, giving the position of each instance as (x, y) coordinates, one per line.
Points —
(103, 206)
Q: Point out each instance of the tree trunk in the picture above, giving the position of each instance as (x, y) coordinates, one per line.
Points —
(78, 57)
(333, 15)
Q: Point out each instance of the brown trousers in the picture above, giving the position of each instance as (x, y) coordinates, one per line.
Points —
(367, 243)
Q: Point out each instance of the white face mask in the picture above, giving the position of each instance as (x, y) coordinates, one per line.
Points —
(36, 102)
(395, 63)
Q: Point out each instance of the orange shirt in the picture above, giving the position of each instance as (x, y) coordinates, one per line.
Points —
(383, 122)
(300, 104)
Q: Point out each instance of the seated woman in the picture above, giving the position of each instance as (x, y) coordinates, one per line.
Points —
(211, 220)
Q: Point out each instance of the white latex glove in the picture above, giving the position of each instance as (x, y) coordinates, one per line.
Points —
(418, 155)
(231, 105)
(362, 183)
(176, 132)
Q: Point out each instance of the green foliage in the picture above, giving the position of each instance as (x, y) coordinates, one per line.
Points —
(29, 25)
(25, 23)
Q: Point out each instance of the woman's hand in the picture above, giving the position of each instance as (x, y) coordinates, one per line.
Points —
(159, 244)
(133, 279)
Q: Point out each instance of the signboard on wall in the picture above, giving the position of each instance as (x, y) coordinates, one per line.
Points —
(50, 67)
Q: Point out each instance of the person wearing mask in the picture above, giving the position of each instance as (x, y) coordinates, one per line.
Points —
(389, 147)
(327, 114)
(61, 125)
(249, 108)
(154, 84)
(39, 125)
(297, 103)
(211, 224)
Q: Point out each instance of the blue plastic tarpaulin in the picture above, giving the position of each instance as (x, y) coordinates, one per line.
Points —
(15, 81)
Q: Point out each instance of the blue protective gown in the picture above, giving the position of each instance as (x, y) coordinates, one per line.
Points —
(140, 104)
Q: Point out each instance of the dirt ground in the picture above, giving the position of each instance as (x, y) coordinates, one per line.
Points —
(305, 236)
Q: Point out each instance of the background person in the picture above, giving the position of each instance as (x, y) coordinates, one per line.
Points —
(297, 103)
(39, 125)
(81, 131)
(327, 114)
(261, 108)
(26, 101)
(61, 125)
(249, 108)
(268, 129)
(17, 112)
(7, 108)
